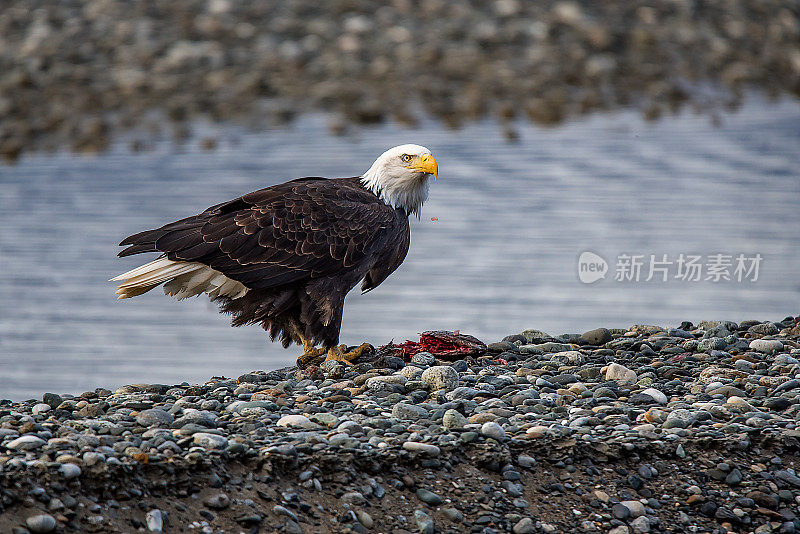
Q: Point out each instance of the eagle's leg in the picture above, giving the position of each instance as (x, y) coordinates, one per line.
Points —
(311, 355)
(339, 354)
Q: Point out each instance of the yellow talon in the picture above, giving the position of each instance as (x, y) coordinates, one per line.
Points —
(338, 353)
(311, 355)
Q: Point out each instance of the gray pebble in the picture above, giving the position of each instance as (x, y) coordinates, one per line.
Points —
(218, 501)
(440, 377)
(424, 522)
(429, 497)
(493, 430)
(41, 523)
(155, 521)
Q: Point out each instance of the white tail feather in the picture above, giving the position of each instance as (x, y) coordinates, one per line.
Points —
(181, 279)
(153, 265)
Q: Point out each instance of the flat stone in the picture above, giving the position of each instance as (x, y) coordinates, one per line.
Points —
(728, 391)
(739, 403)
(283, 511)
(423, 358)
(550, 346)
(767, 346)
(453, 515)
(536, 431)
(656, 395)
(410, 412)
(154, 417)
(386, 383)
(296, 421)
(210, 441)
(196, 417)
(788, 477)
(325, 419)
(26, 443)
(463, 392)
(429, 497)
(423, 448)
(764, 329)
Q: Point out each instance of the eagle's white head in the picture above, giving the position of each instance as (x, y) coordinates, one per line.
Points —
(400, 177)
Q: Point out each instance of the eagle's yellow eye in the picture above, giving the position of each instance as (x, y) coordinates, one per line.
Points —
(406, 158)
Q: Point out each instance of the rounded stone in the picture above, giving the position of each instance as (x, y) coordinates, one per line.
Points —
(493, 430)
(26, 443)
(296, 421)
(424, 522)
(635, 508)
(423, 358)
(598, 336)
(386, 383)
(154, 417)
(429, 497)
(679, 418)
(41, 523)
(767, 346)
(406, 411)
(155, 521)
(453, 419)
(440, 377)
(620, 374)
(453, 515)
(656, 395)
(218, 501)
(69, 471)
(424, 448)
(524, 526)
(40, 408)
(210, 441)
(365, 519)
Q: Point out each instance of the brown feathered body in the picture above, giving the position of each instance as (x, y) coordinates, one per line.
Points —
(283, 257)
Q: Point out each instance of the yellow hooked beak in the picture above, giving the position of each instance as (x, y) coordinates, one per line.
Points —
(425, 163)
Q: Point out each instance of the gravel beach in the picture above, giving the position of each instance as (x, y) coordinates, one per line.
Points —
(74, 73)
(691, 428)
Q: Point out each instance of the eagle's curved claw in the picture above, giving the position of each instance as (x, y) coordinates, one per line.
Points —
(339, 354)
(310, 356)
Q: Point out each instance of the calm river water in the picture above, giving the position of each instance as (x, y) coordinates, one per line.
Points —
(513, 219)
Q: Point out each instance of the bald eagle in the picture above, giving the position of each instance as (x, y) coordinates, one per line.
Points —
(285, 256)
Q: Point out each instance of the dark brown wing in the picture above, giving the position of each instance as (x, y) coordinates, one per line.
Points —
(311, 227)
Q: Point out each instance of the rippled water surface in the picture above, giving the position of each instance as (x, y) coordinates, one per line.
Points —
(502, 256)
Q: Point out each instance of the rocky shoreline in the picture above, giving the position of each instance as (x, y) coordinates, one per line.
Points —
(73, 74)
(646, 429)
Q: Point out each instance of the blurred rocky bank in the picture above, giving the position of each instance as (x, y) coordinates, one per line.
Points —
(73, 73)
